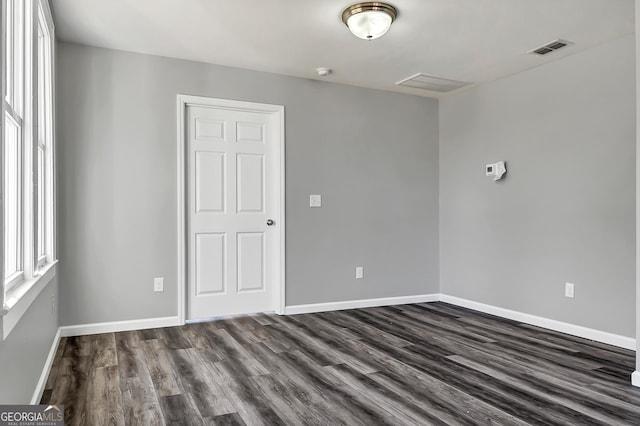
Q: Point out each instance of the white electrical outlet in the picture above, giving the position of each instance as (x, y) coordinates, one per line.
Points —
(158, 284)
(359, 272)
(569, 290)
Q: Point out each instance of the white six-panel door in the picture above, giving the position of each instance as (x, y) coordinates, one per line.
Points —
(233, 211)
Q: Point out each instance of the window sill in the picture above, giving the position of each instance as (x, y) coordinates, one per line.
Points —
(22, 296)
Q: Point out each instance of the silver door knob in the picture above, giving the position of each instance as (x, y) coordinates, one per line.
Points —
(270, 222)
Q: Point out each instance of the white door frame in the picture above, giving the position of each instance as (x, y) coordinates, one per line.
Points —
(185, 101)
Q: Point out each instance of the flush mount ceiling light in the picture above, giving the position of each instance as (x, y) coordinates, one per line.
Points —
(369, 20)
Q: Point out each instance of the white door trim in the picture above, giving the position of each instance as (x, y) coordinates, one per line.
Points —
(183, 101)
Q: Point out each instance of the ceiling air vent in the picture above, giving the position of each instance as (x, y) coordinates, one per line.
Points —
(550, 47)
(430, 82)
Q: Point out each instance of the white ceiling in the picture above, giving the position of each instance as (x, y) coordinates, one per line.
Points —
(467, 40)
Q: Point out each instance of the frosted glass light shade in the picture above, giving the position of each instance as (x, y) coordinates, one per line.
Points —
(369, 20)
(369, 25)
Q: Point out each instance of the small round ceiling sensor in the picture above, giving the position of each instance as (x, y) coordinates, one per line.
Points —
(323, 72)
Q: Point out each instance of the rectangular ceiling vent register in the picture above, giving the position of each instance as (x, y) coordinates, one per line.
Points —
(550, 47)
(430, 82)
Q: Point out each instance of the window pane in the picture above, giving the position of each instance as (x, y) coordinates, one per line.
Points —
(42, 64)
(41, 204)
(15, 24)
(43, 208)
(13, 198)
(18, 55)
(8, 23)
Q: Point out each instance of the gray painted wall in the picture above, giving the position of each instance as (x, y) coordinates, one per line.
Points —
(566, 209)
(372, 155)
(23, 354)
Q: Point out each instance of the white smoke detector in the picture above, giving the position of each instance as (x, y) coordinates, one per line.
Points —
(323, 72)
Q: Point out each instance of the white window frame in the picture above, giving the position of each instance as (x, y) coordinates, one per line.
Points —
(3, 79)
(42, 260)
(12, 99)
(17, 277)
(20, 290)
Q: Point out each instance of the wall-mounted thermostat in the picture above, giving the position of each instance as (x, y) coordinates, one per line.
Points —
(497, 170)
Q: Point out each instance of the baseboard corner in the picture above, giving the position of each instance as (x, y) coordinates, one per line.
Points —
(46, 369)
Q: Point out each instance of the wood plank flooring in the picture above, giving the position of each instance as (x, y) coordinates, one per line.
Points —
(422, 364)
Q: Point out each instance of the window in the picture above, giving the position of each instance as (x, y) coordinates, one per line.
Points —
(15, 53)
(13, 200)
(13, 145)
(27, 151)
(44, 154)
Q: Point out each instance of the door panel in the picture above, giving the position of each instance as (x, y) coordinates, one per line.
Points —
(251, 261)
(210, 182)
(250, 182)
(210, 254)
(233, 189)
(250, 132)
(208, 129)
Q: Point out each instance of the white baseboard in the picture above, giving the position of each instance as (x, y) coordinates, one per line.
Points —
(563, 327)
(115, 326)
(635, 378)
(42, 382)
(362, 303)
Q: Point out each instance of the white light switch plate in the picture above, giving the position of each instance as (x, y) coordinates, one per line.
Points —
(158, 284)
(569, 290)
(359, 272)
(315, 201)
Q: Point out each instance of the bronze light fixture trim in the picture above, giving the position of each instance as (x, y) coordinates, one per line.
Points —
(369, 20)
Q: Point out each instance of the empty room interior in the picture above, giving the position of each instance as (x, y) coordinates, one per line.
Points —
(269, 212)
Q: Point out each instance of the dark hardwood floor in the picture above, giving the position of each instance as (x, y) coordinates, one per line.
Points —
(402, 365)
